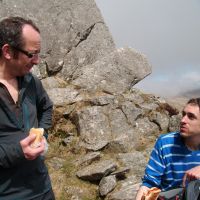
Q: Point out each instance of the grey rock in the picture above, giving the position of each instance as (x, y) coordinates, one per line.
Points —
(97, 171)
(131, 112)
(134, 95)
(40, 70)
(135, 161)
(123, 134)
(94, 43)
(149, 106)
(93, 126)
(121, 172)
(119, 124)
(107, 184)
(88, 158)
(118, 145)
(174, 123)
(68, 110)
(130, 181)
(115, 73)
(161, 119)
(61, 96)
(127, 191)
(146, 128)
(102, 100)
(53, 82)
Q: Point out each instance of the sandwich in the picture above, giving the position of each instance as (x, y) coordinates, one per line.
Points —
(152, 194)
(39, 134)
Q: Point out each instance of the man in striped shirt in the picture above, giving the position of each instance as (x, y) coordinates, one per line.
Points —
(175, 158)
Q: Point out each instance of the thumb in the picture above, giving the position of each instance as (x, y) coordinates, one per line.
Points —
(29, 139)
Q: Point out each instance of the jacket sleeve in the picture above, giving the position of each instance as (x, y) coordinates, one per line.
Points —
(44, 106)
(155, 167)
(10, 155)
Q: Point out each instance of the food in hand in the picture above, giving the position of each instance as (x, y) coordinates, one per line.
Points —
(152, 194)
(39, 134)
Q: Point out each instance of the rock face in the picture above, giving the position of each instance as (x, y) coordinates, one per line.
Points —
(104, 127)
(115, 73)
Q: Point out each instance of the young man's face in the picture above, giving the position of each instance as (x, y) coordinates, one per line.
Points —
(190, 123)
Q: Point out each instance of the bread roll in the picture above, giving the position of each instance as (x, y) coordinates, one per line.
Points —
(39, 134)
(152, 194)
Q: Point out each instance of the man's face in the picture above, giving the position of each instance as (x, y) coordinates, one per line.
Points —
(23, 64)
(190, 123)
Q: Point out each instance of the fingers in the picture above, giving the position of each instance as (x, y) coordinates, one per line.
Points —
(191, 175)
(141, 192)
(32, 153)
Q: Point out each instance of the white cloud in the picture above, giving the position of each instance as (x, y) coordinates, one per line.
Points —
(171, 84)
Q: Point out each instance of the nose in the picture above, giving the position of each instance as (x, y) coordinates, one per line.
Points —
(184, 119)
(35, 59)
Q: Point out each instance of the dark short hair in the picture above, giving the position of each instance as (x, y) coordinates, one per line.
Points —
(194, 101)
(11, 31)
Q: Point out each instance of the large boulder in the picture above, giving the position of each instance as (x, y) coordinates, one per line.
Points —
(115, 73)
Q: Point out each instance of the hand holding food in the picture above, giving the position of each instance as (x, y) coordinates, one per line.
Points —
(152, 194)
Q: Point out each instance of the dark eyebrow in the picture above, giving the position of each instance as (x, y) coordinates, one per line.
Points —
(191, 115)
(183, 112)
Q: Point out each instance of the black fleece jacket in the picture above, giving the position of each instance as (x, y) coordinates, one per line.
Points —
(22, 179)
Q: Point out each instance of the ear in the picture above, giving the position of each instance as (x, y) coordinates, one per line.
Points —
(7, 51)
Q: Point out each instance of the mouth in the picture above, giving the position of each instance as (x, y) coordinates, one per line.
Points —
(29, 67)
(183, 129)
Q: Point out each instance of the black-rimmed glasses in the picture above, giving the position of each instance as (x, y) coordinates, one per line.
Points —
(28, 54)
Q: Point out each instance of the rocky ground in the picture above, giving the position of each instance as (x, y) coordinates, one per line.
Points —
(88, 167)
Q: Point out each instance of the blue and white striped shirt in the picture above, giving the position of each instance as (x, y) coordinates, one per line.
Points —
(169, 161)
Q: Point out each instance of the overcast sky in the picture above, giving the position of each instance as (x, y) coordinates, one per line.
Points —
(167, 32)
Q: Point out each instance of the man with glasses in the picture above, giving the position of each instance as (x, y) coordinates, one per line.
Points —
(23, 104)
(175, 159)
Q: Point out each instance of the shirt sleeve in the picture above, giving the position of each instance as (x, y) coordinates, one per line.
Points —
(155, 167)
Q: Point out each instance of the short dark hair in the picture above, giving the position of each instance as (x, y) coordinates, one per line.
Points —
(195, 101)
(11, 31)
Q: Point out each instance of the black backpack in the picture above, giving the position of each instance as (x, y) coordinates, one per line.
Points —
(174, 194)
(192, 192)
